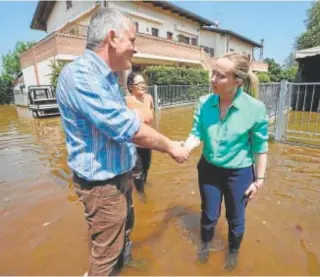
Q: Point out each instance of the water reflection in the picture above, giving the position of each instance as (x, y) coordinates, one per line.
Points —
(31, 148)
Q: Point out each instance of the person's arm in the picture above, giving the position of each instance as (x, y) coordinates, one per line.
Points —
(260, 171)
(195, 136)
(260, 168)
(191, 142)
(149, 138)
(259, 141)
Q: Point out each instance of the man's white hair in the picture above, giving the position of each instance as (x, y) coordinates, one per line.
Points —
(101, 23)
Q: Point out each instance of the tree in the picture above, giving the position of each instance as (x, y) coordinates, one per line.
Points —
(264, 77)
(274, 70)
(290, 74)
(277, 73)
(6, 93)
(311, 37)
(290, 61)
(11, 61)
(11, 69)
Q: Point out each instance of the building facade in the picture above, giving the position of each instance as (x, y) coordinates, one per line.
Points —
(166, 35)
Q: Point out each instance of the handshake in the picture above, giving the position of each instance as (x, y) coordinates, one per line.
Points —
(179, 152)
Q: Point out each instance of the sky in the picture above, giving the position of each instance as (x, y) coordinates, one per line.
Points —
(278, 23)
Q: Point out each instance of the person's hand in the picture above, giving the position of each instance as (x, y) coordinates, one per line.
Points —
(187, 147)
(253, 188)
(178, 152)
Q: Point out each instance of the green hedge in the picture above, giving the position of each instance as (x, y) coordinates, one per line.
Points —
(165, 75)
(178, 84)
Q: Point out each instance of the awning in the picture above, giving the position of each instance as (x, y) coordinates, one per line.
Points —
(301, 54)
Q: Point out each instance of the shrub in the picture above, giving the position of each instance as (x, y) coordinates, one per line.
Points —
(264, 77)
(166, 75)
(56, 68)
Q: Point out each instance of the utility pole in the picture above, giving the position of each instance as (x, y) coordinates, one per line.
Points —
(261, 50)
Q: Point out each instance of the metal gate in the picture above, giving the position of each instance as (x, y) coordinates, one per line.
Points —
(293, 108)
(294, 111)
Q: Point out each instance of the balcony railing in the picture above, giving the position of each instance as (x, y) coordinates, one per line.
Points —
(71, 41)
(151, 45)
(259, 66)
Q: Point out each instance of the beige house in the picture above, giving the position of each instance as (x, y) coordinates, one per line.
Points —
(166, 35)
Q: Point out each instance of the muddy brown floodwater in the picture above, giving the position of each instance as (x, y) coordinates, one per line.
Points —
(43, 231)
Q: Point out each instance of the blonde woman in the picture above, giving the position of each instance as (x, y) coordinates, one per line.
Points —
(233, 127)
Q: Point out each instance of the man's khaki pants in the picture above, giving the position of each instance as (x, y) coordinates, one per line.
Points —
(109, 212)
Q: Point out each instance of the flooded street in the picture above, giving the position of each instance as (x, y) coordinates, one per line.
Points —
(43, 231)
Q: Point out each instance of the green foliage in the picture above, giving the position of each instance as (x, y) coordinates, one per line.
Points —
(184, 84)
(56, 68)
(6, 93)
(11, 69)
(290, 61)
(264, 77)
(277, 73)
(165, 75)
(313, 14)
(290, 74)
(311, 37)
(11, 61)
(274, 70)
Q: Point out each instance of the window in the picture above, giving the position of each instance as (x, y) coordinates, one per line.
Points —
(169, 35)
(186, 40)
(183, 39)
(194, 41)
(137, 26)
(155, 32)
(209, 51)
(69, 4)
(105, 4)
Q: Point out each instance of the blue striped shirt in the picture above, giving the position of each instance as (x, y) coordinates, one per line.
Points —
(97, 123)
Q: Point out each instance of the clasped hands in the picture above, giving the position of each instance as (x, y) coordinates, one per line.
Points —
(178, 152)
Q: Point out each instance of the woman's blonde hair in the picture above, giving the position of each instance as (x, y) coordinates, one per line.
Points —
(243, 72)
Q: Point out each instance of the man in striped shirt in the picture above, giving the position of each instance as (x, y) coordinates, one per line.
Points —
(100, 135)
